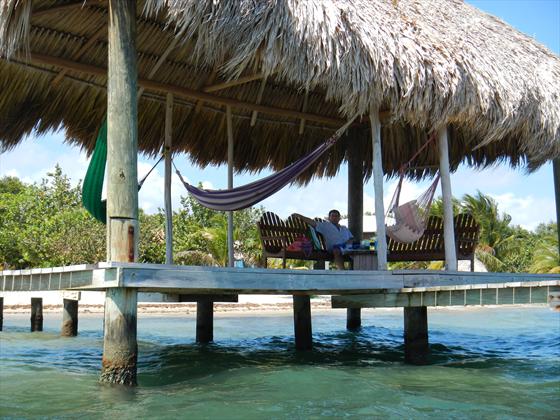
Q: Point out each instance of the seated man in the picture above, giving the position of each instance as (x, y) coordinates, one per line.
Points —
(336, 236)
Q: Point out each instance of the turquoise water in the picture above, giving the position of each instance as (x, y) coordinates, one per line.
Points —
(487, 363)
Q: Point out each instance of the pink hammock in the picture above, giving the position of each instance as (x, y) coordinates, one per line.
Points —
(411, 218)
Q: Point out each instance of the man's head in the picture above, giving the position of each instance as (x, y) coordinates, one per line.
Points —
(334, 216)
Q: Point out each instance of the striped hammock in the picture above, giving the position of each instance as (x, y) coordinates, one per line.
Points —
(250, 194)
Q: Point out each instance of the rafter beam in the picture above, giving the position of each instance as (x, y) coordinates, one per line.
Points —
(232, 83)
(90, 42)
(58, 9)
(185, 92)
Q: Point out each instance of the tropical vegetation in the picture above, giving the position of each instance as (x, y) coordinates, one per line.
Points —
(45, 225)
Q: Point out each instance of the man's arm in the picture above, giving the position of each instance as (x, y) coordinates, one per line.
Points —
(305, 219)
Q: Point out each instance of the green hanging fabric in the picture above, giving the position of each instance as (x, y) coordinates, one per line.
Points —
(93, 182)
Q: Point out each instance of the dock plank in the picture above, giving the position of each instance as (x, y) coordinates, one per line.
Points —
(471, 297)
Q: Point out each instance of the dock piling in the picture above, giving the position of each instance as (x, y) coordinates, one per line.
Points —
(353, 319)
(1, 313)
(302, 322)
(36, 314)
(204, 320)
(120, 349)
(416, 345)
(69, 318)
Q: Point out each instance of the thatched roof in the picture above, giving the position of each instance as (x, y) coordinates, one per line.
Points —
(305, 67)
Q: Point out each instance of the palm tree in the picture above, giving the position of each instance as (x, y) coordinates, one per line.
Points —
(546, 258)
(497, 238)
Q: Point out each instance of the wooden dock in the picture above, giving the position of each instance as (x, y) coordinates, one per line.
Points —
(398, 288)
(415, 291)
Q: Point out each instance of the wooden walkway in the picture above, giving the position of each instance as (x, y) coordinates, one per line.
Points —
(350, 289)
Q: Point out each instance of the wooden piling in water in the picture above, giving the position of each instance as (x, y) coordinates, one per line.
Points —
(120, 350)
(36, 314)
(69, 318)
(353, 319)
(416, 345)
(302, 322)
(1, 313)
(204, 320)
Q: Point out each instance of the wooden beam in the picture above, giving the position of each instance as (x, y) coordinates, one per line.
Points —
(167, 181)
(36, 314)
(355, 159)
(353, 319)
(160, 61)
(58, 9)
(38, 58)
(69, 318)
(230, 184)
(120, 350)
(556, 175)
(211, 298)
(204, 321)
(232, 83)
(416, 343)
(254, 114)
(90, 42)
(378, 189)
(209, 80)
(214, 280)
(303, 109)
(302, 322)
(476, 295)
(447, 198)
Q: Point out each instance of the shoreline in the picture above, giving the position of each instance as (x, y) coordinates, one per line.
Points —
(172, 308)
(176, 308)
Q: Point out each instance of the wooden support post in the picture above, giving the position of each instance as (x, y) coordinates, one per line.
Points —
(230, 184)
(378, 187)
(353, 319)
(556, 172)
(69, 318)
(416, 346)
(120, 349)
(167, 187)
(1, 313)
(204, 320)
(355, 206)
(355, 184)
(447, 197)
(119, 340)
(319, 265)
(36, 314)
(302, 322)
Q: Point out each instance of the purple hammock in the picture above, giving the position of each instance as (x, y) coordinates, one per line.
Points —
(247, 195)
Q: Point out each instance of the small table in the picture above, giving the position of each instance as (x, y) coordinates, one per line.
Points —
(363, 259)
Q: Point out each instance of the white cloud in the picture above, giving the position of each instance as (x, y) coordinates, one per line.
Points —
(526, 211)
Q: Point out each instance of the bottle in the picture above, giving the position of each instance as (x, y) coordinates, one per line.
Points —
(372, 243)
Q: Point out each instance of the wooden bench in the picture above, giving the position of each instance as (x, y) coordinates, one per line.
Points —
(276, 235)
(430, 246)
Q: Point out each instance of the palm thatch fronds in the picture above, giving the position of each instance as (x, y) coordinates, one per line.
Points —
(293, 70)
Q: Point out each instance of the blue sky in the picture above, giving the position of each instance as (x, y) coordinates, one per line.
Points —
(529, 199)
